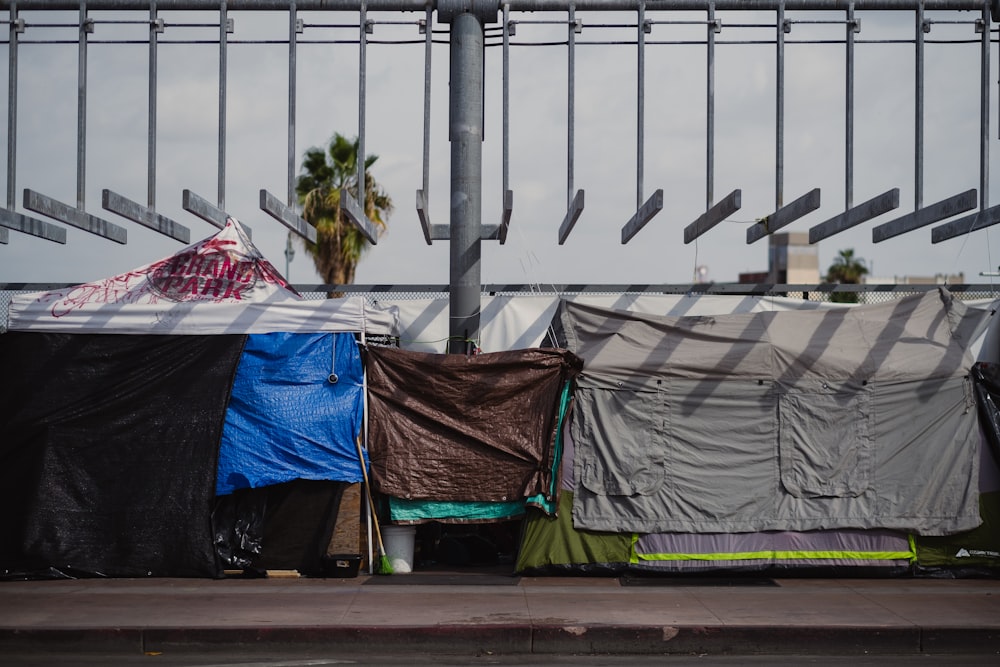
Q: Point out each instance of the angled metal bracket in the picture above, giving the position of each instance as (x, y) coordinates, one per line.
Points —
(210, 213)
(874, 207)
(357, 217)
(39, 203)
(34, 227)
(785, 215)
(713, 216)
(431, 232)
(508, 208)
(966, 225)
(4, 236)
(960, 203)
(572, 215)
(651, 207)
(135, 212)
(286, 216)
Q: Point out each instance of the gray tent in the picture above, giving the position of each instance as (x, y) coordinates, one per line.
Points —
(859, 417)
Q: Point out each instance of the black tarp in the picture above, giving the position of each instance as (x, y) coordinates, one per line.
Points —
(108, 452)
(974, 552)
(284, 526)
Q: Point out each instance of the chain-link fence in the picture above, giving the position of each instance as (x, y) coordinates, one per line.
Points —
(374, 294)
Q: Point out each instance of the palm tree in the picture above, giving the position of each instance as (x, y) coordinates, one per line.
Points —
(846, 269)
(339, 244)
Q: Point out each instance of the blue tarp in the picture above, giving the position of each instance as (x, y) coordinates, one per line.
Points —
(286, 420)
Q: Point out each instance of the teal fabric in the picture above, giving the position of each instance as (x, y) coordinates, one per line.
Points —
(414, 511)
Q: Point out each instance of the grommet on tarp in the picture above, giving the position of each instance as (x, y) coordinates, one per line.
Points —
(332, 378)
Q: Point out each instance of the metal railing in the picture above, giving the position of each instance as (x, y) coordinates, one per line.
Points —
(865, 294)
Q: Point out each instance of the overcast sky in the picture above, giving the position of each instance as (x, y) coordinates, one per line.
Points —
(605, 150)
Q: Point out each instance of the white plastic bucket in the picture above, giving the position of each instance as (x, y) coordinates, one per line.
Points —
(398, 542)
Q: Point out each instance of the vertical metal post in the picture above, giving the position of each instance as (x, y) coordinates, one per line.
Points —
(918, 121)
(849, 112)
(293, 31)
(223, 43)
(779, 111)
(362, 81)
(12, 106)
(570, 105)
(465, 133)
(428, 43)
(641, 104)
(710, 109)
(154, 31)
(984, 113)
(81, 109)
(505, 148)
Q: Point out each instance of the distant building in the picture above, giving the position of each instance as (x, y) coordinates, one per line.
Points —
(791, 260)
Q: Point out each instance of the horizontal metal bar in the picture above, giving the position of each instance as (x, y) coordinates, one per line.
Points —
(489, 232)
(39, 203)
(651, 207)
(201, 207)
(127, 208)
(508, 208)
(713, 216)
(785, 215)
(515, 5)
(32, 226)
(960, 203)
(966, 225)
(572, 215)
(874, 207)
(358, 218)
(286, 216)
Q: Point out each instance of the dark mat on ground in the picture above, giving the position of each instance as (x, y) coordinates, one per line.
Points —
(440, 579)
(632, 580)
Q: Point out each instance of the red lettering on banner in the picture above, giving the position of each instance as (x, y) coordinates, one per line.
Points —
(212, 285)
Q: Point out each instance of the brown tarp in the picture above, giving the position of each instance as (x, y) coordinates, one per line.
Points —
(452, 427)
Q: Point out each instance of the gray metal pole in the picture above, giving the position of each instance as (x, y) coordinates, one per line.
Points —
(918, 121)
(362, 90)
(293, 30)
(12, 107)
(849, 113)
(81, 110)
(779, 111)
(428, 43)
(570, 106)
(640, 104)
(710, 109)
(984, 115)
(154, 30)
(465, 132)
(223, 42)
(505, 104)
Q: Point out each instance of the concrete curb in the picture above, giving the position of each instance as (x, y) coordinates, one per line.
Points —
(516, 639)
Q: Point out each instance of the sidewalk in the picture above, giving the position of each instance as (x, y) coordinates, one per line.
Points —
(470, 615)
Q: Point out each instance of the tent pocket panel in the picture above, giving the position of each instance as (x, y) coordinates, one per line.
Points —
(825, 444)
(631, 421)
